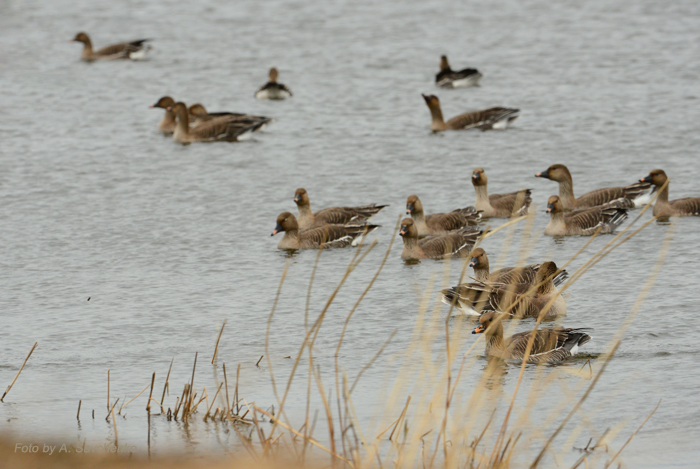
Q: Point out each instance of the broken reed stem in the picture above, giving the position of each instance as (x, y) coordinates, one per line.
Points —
(228, 401)
(165, 386)
(633, 435)
(107, 391)
(18, 372)
(212, 402)
(114, 422)
(401, 417)
(111, 408)
(127, 403)
(235, 398)
(79, 404)
(150, 396)
(260, 359)
(216, 347)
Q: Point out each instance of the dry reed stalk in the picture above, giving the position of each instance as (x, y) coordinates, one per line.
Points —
(213, 401)
(165, 386)
(401, 417)
(327, 407)
(114, 422)
(127, 403)
(238, 372)
(110, 409)
(79, 404)
(633, 435)
(228, 401)
(18, 372)
(150, 396)
(260, 359)
(216, 347)
(107, 390)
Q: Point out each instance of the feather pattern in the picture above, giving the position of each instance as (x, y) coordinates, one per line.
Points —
(326, 236)
(688, 206)
(583, 222)
(492, 118)
(511, 204)
(226, 128)
(440, 223)
(452, 244)
(124, 50)
(331, 215)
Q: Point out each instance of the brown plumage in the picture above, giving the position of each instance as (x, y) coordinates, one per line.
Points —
(622, 196)
(689, 206)
(550, 344)
(332, 215)
(448, 78)
(167, 124)
(221, 129)
(527, 274)
(498, 205)
(199, 115)
(492, 118)
(272, 89)
(453, 244)
(326, 236)
(124, 50)
(584, 221)
(440, 223)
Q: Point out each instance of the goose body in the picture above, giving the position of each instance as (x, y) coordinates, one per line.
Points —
(585, 221)
(323, 237)
(452, 244)
(198, 115)
(513, 204)
(220, 129)
(686, 207)
(448, 78)
(134, 50)
(630, 196)
(332, 215)
(551, 345)
(507, 275)
(167, 124)
(272, 89)
(440, 223)
(486, 119)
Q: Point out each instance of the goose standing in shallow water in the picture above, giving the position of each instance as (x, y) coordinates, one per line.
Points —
(272, 89)
(550, 345)
(448, 78)
(686, 207)
(167, 124)
(628, 196)
(221, 129)
(440, 223)
(135, 50)
(326, 236)
(492, 118)
(332, 215)
(452, 244)
(584, 221)
(199, 115)
(513, 204)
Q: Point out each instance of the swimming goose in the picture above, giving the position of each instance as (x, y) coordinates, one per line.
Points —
(272, 89)
(167, 125)
(440, 223)
(134, 50)
(550, 344)
(220, 129)
(332, 215)
(199, 115)
(448, 78)
(326, 236)
(513, 204)
(628, 196)
(688, 206)
(492, 118)
(453, 244)
(584, 221)
(522, 300)
(527, 274)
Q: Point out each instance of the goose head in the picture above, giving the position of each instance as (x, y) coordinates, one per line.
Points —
(479, 260)
(165, 102)
(81, 37)
(197, 110)
(413, 205)
(273, 75)
(657, 177)
(488, 323)
(408, 229)
(479, 177)
(556, 172)
(432, 101)
(301, 197)
(444, 64)
(554, 205)
(285, 222)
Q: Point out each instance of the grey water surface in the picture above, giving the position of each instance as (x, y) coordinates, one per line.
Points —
(169, 241)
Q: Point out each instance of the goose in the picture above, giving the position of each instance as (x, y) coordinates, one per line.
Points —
(221, 129)
(513, 204)
(584, 221)
(523, 300)
(550, 344)
(326, 236)
(440, 223)
(688, 206)
(332, 215)
(272, 89)
(448, 78)
(134, 50)
(453, 244)
(199, 115)
(527, 274)
(167, 125)
(492, 118)
(628, 197)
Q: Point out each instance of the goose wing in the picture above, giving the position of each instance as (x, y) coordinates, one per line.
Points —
(226, 128)
(344, 215)
(447, 76)
(517, 202)
(482, 119)
(687, 206)
(450, 244)
(334, 236)
(122, 50)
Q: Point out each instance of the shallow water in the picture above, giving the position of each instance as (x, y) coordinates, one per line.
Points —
(168, 241)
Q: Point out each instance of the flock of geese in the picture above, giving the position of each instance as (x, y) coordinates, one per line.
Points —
(522, 292)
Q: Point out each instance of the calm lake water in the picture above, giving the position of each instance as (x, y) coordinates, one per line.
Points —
(169, 241)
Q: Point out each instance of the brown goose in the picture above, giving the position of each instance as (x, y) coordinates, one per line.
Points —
(332, 215)
(453, 244)
(584, 221)
(512, 204)
(167, 125)
(440, 223)
(134, 50)
(527, 274)
(688, 206)
(326, 236)
(448, 78)
(492, 118)
(550, 344)
(199, 115)
(628, 197)
(523, 300)
(272, 89)
(221, 129)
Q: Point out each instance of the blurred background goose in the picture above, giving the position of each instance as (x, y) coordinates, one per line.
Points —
(439, 223)
(492, 118)
(332, 215)
(326, 236)
(686, 207)
(452, 244)
(135, 50)
(448, 78)
(513, 204)
(167, 124)
(199, 115)
(272, 89)
(584, 221)
(220, 129)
